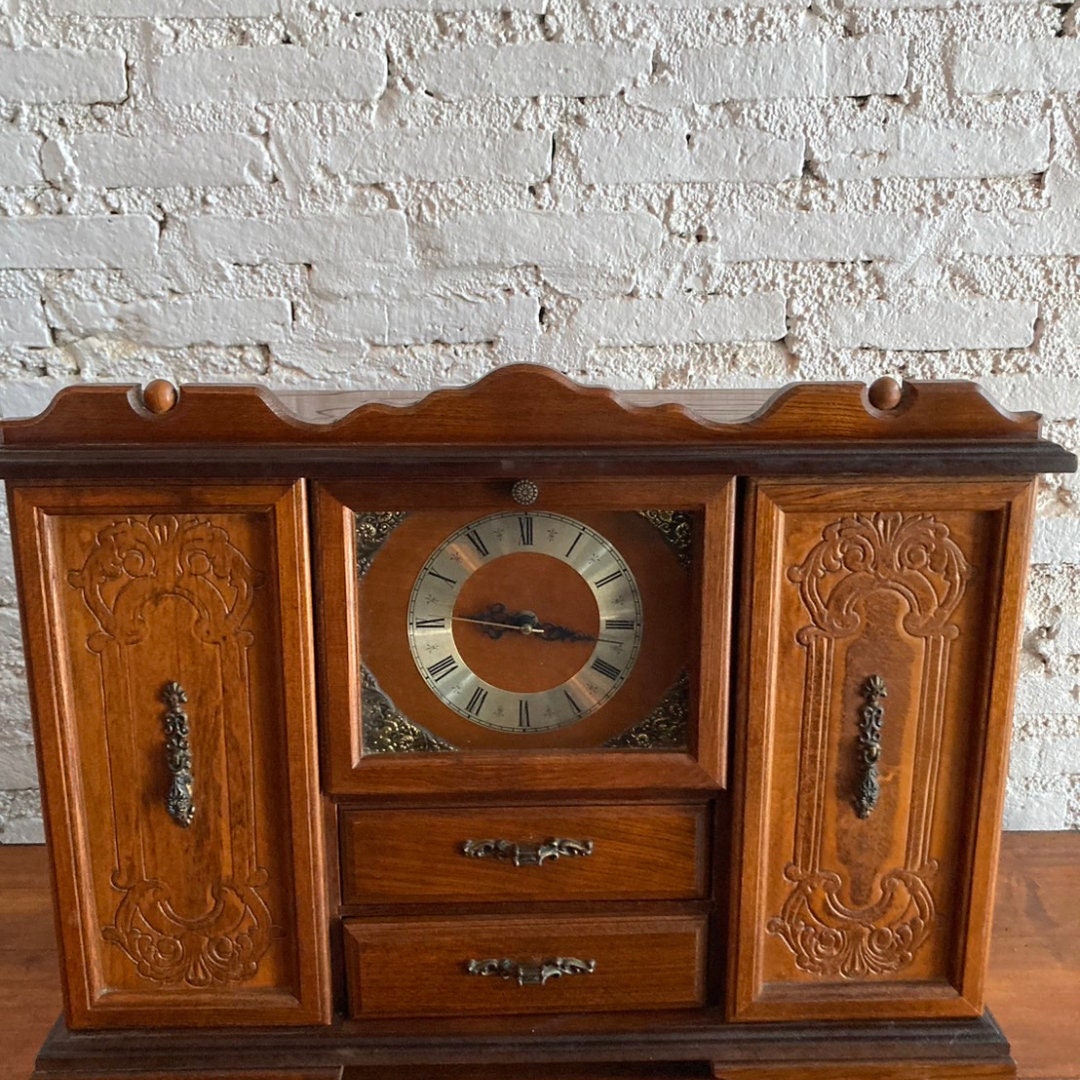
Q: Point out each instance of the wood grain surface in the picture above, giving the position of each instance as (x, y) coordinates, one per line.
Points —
(202, 588)
(1033, 986)
(880, 913)
(635, 852)
(422, 967)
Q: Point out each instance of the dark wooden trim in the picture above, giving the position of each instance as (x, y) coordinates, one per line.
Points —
(623, 1037)
(283, 462)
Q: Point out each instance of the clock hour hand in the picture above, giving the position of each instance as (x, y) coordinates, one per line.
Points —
(496, 621)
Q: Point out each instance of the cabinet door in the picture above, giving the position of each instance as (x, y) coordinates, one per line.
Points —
(881, 625)
(168, 631)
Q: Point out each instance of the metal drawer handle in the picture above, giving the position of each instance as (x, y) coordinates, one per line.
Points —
(526, 854)
(533, 974)
(180, 802)
(871, 717)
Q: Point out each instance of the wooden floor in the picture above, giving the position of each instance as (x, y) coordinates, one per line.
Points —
(1034, 987)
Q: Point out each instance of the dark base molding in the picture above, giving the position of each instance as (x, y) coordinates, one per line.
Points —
(672, 1046)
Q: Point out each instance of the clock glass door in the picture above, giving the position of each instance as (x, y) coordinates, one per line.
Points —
(479, 625)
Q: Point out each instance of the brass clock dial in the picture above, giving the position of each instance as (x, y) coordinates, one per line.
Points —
(525, 622)
(538, 628)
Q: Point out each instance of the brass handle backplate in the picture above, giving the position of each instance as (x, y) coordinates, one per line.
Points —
(535, 973)
(871, 717)
(526, 854)
(180, 801)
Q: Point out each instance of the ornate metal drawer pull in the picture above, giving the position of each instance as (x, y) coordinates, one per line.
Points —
(534, 974)
(180, 802)
(871, 716)
(526, 854)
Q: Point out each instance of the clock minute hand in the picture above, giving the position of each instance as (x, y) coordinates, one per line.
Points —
(522, 628)
(525, 622)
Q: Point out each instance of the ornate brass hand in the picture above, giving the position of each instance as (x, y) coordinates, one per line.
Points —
(495, 621)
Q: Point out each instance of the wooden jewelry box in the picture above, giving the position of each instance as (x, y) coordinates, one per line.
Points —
(524, 730)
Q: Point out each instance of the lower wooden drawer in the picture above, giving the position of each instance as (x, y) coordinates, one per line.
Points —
(479, 964)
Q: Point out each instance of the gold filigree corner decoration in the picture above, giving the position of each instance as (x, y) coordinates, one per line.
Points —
(667, 727)
(372, 530)
(830, 939)
(388, 731)
(677, 529)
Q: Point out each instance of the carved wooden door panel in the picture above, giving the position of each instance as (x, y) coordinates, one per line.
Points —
(169, 635)
(881, 647)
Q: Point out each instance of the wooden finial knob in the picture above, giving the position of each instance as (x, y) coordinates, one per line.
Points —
(885, 393)
(159, 396)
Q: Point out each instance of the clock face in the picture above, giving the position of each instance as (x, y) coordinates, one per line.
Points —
(525, 622)
(523, 629)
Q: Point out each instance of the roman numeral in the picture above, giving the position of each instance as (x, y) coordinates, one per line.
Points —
(442, 577)
(525, 524)
(474, 539)
(441, 668)
(618, 624)
(436, 624)
(609, 579)
(523, 713)
(573, 704)
(476, 702)
(573, 545)
(610, 671)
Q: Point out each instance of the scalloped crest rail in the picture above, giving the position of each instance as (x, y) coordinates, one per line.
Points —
(787, 890)
(518, 404)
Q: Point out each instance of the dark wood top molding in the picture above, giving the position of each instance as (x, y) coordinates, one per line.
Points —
(517, 405)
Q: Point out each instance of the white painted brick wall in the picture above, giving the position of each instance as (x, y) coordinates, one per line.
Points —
(250, 75)
(922, 150)
(934, 325)
(19, 160)
(510, 238)
(623, 157)
(405, 193)
(161, 9)
(390, 154)
(254, 241)
(791, 69)
(168, 160)
(175, 323)
(426, 320)
(77, 243)
(531, 70)
(22, 322)
(759, 317)
(61, 75)
(812, 237)
(1001, 67)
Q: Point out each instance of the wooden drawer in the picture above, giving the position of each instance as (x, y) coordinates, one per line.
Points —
(489, 965)
(652, 852)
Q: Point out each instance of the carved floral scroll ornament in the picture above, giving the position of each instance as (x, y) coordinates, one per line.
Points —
(133, 565)
(914, 557)
(223, 946)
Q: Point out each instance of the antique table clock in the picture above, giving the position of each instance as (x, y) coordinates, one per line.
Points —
(524, 729)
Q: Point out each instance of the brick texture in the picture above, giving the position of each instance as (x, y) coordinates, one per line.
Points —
(22, 323)
(406, 193)
(61, 75)
(165, 160)
(274, 73)
(531, 70)
(680, 157)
